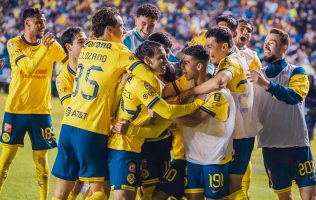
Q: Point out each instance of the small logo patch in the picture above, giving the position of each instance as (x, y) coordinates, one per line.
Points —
(130, 178)
(217, 97)
(145, 173)
(147, 86)
(131, 167)
(6, 137)
(7, 128)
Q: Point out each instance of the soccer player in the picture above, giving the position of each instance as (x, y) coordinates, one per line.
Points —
(72, 40)
(28, 106)
(241, 39)
(207, 133)
(124, 155)
(146, 19)
(284, 138)
(231, 74)
(82, 151)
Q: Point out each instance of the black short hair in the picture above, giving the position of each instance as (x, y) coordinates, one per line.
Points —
(68, 36)
(231, 20)
(162, 38)
(221, 34)
(198, 52)
(148, 10)
(284, 36)
(247, 21)
(103, 18)
(31, 12)
(147, 48)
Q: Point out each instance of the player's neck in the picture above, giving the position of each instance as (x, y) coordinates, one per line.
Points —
(201, 78)
(29, 38)
(73, 63)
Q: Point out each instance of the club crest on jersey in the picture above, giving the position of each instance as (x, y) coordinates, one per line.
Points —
(147, 86)
(6, 137)
(131, 58)
(130, 178)
(7, 128)
(131, 167)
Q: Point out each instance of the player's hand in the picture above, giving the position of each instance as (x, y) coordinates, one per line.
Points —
(120, 127)
(91, 36)
(2, 63)
(48, 39)
(125, 77)
(258, 78)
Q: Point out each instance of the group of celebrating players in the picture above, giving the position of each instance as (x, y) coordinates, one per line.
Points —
(146, 124)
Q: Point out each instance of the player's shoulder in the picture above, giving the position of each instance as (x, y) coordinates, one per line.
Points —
(15, 41)
(218, 96)
(231, 60)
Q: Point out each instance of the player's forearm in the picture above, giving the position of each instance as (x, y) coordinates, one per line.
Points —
(170, 111)
(150, 131)
(208, 87)
(29, 65)
(284, 94)
(188, 121)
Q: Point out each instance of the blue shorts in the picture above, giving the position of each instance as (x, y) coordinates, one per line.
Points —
(242, 154)
(38, 126)
(81, 155)
(172, 182)
(124, 169)
(155, 160)
(284, 165)
(212, 180)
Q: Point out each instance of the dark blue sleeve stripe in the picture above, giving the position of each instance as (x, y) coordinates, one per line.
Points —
(284, 94)
(298, 70)
(213, 114)
(133, 66)
(64, 98)
(153, 102)
(176, 88)
(19, 58)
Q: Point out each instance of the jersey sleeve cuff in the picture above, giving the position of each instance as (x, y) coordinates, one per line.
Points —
(153, 102)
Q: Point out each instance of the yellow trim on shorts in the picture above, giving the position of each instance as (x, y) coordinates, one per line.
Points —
(11, 145)
(283, 190)
(128, 187)
(151, 181)
(194, 190)
(92, 179)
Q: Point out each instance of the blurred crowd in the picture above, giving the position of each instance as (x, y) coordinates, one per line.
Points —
(183, 19)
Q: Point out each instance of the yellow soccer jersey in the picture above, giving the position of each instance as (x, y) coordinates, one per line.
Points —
(64, 83)
(199, 40)
(31, 75)
(239, 80)
(138, 96)
(252, 59)
(100, 65)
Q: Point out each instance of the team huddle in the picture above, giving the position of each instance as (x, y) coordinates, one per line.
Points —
(141, 122)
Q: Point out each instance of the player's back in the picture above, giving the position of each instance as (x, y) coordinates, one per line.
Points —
(99, 67)
(137, 96)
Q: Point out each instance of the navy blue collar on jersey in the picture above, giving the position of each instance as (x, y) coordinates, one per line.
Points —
(273, 69)
(29, 43)
(70, 70)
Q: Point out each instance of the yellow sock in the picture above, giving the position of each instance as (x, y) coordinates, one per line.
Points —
(71, 196)
(148, 192)
(98, 196)
(138, 194)
(238, 195)
(42, 172)
(246, 179)
(7, 156)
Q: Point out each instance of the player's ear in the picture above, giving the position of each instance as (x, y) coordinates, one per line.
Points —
(284, 48)
(147, 61)
(234, 34)
(199, 66)
(225, 46)
(26, 23)
(68, 47)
